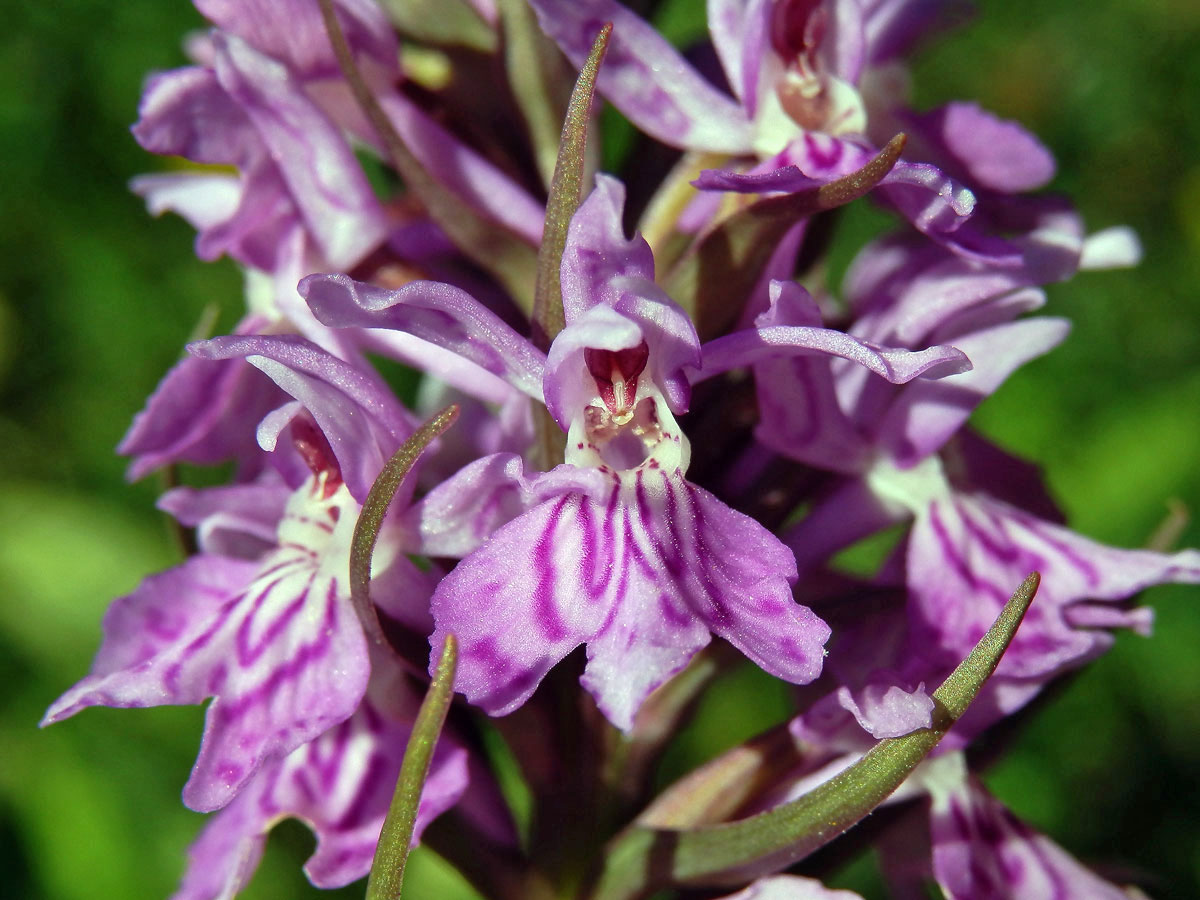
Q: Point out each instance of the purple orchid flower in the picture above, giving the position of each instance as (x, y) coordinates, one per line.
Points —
(614, 549)
(261, 619)
(899, 454)
(340, 784)
(803, 75)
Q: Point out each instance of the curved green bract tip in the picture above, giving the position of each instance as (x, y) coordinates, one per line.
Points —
(375, 507)
(386, 880)
(566, 193)
(729, 259)
(646, 859)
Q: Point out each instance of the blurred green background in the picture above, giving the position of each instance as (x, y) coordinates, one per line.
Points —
(96, 300)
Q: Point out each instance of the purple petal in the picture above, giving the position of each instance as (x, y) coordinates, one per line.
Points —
(989, 151)
(642, 575)
(601, 268)
(740, 34)
(893, 26)
(755, 345)
(967, 553)
(325, 180)
(340, 785)
(186, 112)
(461, 170)
(981, 850)
(293, 32)
(360, 417)
(460, 513)
(203, 413)
(886, 709)
(524, 600)
(438, 313)
(646, 78)
(277, 644)
(926, 414)
(238, 520)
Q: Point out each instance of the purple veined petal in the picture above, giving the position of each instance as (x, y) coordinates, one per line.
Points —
(340, 784)
(642, 576)
(293, 32)
(791, 887)
(202, 413)
(755, 345)
(325, 180)
(922, 193)
(505, 601)
(465, 172)
(987, 151)
(185, 112)
(462, 512)
(740, 34)
(905, 310)
(981, 850)
(204, 200)
(690, 561)
(1113, 248)
(926, 413)
(646, 78)
(283, 653)
(966, 552)
(438, 313)
(362, 421)
(238, 520)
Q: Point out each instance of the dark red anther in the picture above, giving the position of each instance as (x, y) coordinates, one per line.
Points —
(628, 364)
(310, 442)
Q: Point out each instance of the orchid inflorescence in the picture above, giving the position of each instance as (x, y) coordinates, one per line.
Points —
(627, 444)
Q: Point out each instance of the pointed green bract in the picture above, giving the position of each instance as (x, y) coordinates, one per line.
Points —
(566, 193)
(386, 880)
(728, 261)
(489, 244)
(646, 859)
(375, 507)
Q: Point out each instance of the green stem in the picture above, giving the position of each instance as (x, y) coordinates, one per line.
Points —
(386, 880)
(375, 507)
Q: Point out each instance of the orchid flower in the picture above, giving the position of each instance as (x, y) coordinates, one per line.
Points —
(615, 548)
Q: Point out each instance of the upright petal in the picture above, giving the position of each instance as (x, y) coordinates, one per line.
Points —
(646, 78)
(357, 412)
